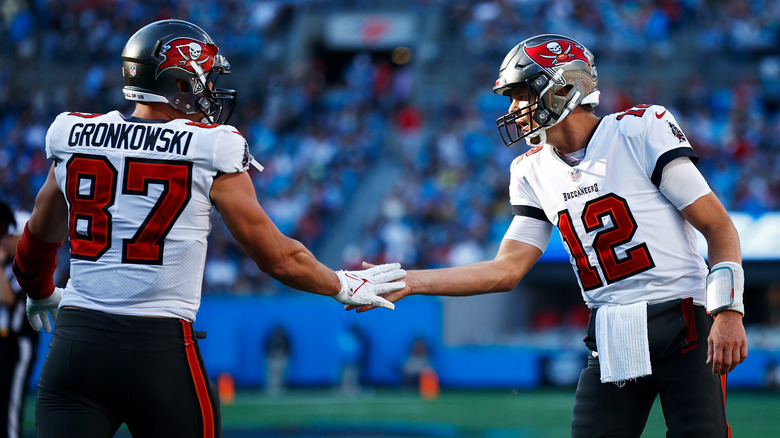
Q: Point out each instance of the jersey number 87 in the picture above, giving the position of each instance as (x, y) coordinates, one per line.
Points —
(91, 189)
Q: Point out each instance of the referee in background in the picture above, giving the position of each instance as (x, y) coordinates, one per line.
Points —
(18, 340)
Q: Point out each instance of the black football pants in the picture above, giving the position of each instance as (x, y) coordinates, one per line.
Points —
(692, 398)
(103, 370)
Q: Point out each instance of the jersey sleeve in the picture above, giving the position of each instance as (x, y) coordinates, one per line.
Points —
(530, 231)
(56, 130)
(664, 142)
(682, 183)
(231, 154)
(522, 198)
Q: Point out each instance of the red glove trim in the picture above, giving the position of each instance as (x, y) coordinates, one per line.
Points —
(34, 265)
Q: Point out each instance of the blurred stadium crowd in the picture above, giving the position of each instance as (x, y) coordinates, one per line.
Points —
(320, 132)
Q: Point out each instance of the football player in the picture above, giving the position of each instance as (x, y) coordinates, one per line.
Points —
(133, 196)
(626, 197)
(18, 340)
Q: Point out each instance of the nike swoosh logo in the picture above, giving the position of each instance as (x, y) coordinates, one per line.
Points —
(361, 285)
(658, 116)
(354, 277)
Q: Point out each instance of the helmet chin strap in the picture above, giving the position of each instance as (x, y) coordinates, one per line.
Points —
(538, 139)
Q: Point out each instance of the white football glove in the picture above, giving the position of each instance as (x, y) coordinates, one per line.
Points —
(37, 311)
(361, 287)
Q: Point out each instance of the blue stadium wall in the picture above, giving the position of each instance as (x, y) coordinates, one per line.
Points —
(236, 327)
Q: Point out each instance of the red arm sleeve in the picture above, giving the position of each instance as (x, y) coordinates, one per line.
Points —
(34, 265)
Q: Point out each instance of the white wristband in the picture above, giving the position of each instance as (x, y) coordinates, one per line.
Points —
(725, 286)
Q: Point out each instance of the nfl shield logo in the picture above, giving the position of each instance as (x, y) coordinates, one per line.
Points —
(575, 174)
(132, 70)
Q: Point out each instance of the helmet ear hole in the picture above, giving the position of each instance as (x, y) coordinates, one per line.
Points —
(564, 91)
(183, 85)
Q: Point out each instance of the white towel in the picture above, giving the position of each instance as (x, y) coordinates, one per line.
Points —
(621, 339)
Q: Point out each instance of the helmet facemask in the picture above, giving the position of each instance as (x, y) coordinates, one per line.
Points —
(544, 112)
(216, 104)
(534, 113)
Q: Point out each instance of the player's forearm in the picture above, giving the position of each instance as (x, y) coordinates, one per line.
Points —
(722, 244)
(473, 279)
(708, 216)
(724, 256)
(296, 266)
(36, 253)
(513, 260)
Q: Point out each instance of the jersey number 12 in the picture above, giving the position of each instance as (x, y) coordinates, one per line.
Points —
(637, 258)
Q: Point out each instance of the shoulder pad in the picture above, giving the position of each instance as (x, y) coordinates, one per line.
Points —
(635, 120)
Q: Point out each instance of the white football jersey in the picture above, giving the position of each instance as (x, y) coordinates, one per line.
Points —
(626, 241)
(138, 201)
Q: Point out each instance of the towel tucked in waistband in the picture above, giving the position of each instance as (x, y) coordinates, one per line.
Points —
(623, 346)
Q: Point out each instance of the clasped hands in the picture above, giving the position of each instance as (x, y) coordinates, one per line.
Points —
(363, 287)
(358, 288)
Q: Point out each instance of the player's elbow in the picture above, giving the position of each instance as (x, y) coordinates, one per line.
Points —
(280, 271)
(506, 273)
(284, 264)
(497, 280)
(279, 266)
(506, 283)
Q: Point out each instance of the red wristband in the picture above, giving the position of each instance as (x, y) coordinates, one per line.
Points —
(34, 265)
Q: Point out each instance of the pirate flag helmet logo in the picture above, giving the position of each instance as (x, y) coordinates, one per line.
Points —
(191, 55)
(556, 52)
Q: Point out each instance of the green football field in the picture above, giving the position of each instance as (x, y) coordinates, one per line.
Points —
(461, 414)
